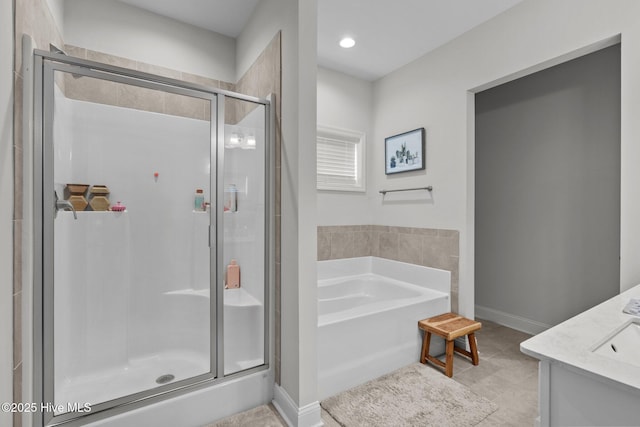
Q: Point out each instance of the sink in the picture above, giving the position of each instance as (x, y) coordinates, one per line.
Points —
(623, 344)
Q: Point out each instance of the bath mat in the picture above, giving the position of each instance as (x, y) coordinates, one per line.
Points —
(416, 395)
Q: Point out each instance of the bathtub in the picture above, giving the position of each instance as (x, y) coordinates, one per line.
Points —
(368, 310)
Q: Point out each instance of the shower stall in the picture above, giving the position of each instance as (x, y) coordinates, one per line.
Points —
(150, 195)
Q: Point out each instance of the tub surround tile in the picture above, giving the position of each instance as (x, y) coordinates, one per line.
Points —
(361, 243)
(341, 245)
(424, 231)
(410, 248)
(388, 245)
(324, 246)
(375, 244)
(428, 247)
(454, 298)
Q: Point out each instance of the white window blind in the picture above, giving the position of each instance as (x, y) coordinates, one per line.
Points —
(340, 158)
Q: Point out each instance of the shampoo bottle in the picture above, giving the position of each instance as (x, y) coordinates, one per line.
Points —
(233, 275)
(199, 201)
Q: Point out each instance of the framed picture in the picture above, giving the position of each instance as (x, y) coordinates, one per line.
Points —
(404, 152)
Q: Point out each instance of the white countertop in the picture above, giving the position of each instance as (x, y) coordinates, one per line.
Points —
(571, 342)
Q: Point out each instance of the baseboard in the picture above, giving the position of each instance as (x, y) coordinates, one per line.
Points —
(306, 416)
(511, 320)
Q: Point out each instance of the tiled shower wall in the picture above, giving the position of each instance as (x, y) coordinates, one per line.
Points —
(264, 78)
(33, 17)
(429, 247)
(139, 98)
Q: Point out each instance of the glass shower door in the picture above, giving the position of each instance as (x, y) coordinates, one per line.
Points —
(244, 249)
(129, 252)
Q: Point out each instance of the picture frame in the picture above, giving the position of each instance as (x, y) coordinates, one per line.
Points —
(405, 152)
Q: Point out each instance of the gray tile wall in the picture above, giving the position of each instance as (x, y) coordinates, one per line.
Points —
(127, 96)
(264, 77)
(428, 247)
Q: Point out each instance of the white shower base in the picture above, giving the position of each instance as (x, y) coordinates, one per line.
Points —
(139, 374)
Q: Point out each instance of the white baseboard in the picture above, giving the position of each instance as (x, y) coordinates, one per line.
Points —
(511, 320)
(306, 416)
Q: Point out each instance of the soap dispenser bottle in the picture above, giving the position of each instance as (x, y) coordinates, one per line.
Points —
(199, 201)
(233, 275)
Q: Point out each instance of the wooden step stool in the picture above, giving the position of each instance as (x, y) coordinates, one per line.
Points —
(449, 326)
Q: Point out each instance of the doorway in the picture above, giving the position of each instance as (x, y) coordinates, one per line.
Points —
(547, 193)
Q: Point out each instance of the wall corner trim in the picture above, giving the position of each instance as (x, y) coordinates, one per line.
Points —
(305, 416)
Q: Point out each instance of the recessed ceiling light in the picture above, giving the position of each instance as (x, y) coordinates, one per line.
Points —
(347, 42)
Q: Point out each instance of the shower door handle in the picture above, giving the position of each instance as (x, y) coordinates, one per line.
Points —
(65, 205)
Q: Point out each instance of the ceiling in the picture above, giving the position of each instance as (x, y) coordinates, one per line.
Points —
(388, 34)
(226, 17)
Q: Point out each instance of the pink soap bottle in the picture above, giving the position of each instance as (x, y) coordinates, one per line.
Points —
(233, 275)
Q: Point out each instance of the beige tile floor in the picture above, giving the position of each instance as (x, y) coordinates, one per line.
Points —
(505, 376)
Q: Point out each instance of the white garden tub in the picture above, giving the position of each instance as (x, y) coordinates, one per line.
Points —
(368, 312)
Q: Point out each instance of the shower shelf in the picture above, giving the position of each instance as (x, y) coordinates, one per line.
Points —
(232, 297)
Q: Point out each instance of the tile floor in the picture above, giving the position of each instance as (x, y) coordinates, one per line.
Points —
(505, 375)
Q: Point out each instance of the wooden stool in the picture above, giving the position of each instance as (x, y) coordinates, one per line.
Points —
(449, 326)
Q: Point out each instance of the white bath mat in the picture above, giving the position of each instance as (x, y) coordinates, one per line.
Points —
(416, 395)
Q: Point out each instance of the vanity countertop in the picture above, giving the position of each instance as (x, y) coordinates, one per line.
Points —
(571, 343)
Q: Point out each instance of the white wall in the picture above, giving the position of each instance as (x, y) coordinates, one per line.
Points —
(56, 7)
(297, 20)
(119, 29)
(6, 207)
(346, 102)
(433, 92)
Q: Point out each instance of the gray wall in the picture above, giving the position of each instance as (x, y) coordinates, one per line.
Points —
(547, 193)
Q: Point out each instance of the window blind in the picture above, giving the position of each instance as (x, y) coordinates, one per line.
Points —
(338, 160)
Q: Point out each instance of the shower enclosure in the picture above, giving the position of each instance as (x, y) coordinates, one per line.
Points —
(146, 189)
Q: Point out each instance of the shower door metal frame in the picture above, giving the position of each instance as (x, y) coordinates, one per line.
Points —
(45, 66)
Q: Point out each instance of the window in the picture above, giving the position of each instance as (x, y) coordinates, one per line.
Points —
(340, 159)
